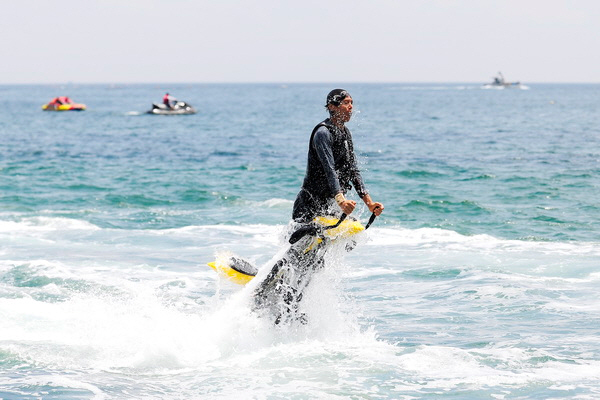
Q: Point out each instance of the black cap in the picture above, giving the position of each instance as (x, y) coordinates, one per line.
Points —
(336, 96)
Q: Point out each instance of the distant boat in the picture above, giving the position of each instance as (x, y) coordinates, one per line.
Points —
(500, 83)
(179, 108)
(62, 103)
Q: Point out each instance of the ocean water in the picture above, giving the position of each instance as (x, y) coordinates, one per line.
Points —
(479, 281)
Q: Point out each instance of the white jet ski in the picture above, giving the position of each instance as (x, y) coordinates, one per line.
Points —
(179, 108)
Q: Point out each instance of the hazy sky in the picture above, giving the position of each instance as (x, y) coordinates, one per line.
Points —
(120, 41)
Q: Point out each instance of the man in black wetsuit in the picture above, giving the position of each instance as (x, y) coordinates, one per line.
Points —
(331, 170)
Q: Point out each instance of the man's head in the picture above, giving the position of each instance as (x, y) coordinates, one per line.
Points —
(336, 96)
(339, 104)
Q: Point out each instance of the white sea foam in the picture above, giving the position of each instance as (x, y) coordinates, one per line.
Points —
(46, 224)
(448, 368)
(130, 325)
(276, 203)
(453, 240)
(143, 303)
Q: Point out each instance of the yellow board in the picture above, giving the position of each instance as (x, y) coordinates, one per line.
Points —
(229, 273)
(347, 228)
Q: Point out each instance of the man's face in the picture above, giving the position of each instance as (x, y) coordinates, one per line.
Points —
(344, 111)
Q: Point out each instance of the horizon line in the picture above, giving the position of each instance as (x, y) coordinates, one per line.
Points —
(291, 83)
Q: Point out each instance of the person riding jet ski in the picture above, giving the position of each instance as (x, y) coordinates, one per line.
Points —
(331, 171)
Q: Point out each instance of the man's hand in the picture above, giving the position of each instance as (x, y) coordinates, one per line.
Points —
(373, 206)
(376, 208)
(347, 206)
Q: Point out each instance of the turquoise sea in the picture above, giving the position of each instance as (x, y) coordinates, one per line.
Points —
(479, 281)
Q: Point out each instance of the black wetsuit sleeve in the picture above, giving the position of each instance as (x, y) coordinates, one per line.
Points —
(359, 185)
(357, 180)
(323, 142)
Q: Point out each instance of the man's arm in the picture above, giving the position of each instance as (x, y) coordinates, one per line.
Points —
(359, 185)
